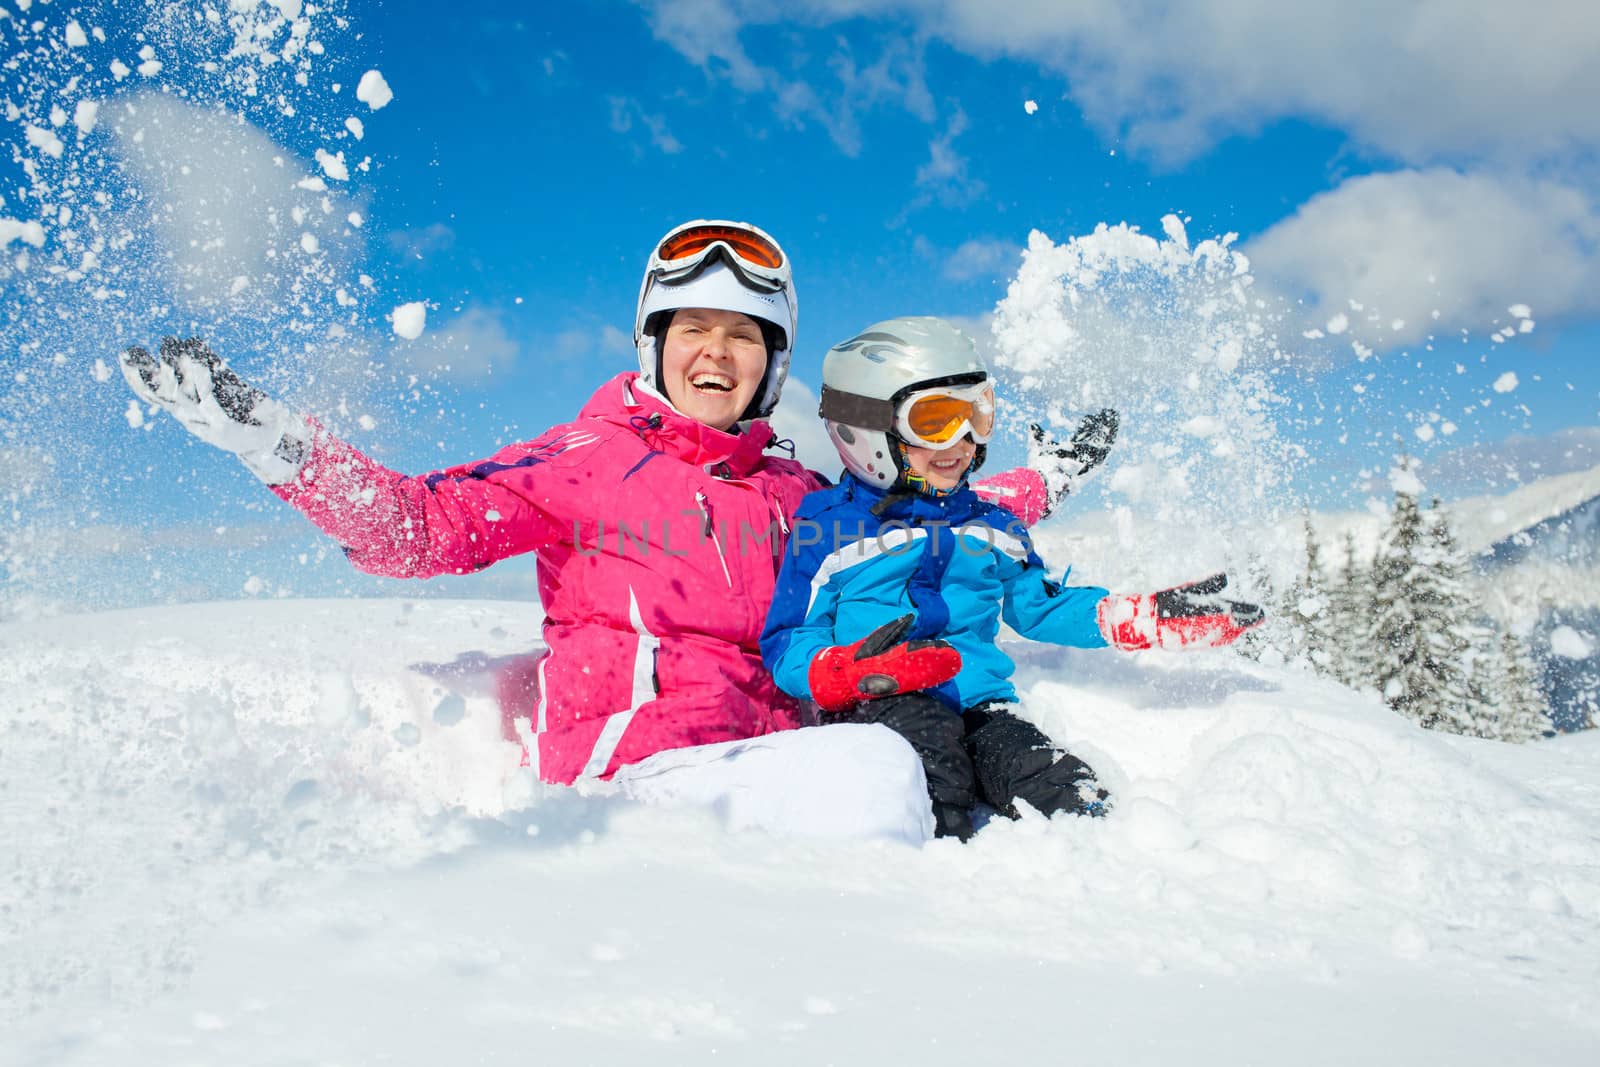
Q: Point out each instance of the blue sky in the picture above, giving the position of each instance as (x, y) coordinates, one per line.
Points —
(1404, 157)
(892, 155)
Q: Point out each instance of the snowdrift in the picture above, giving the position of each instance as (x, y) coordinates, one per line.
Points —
(288, 831)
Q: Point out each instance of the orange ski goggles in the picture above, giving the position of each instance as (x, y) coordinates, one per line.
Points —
(754, 255)
(938, 418)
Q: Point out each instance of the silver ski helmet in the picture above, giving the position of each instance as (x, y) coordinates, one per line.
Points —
(870, 382)
(724, 266)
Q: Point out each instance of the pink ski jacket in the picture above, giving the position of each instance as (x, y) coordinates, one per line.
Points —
(659, 541)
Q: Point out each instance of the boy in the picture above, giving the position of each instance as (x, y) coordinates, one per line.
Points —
(890, 599)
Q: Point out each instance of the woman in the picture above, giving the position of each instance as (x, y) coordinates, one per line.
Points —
(658, 518)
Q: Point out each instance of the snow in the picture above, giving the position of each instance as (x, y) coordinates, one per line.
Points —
(373, 91)
(1569, 643)
(29, 232)
(44, 140)
(1194, 367)
(1506, 382)
(409, 319)
(333, 165)
(288, 831)
(1405, 480)
(1030, 106)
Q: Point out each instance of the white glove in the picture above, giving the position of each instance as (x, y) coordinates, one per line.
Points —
(198, 389)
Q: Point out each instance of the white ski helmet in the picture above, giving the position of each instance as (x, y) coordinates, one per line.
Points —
(724, 266)
(870, 381)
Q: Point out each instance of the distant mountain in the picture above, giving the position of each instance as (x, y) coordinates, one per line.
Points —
(1542, 571)
(1545, 512)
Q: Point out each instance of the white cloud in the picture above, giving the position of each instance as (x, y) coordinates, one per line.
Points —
(1518, 459)
(623, 112)
(1422, 80)
(585, 344)
(420, 243)
(1407, 244)
(616, 342)
(981, 258)
(944, 175)
(707, 33)
(473, 345)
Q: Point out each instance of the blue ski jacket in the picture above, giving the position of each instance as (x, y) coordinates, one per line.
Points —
(858, 558)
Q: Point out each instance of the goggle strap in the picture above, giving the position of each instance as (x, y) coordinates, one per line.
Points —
(853, 409)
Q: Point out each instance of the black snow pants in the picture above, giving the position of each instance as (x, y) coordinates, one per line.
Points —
(988, 754)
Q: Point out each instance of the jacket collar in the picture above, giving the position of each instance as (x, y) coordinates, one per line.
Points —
(909, 506)
(626, 401)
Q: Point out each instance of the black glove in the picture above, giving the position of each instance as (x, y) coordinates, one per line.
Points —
(1065, 467)
(197, 388)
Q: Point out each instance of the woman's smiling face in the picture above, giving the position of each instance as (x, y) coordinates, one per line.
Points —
(712, 363)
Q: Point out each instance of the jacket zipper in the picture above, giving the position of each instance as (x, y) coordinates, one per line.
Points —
(709, 529)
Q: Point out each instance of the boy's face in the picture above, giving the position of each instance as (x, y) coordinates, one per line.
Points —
(942, 468)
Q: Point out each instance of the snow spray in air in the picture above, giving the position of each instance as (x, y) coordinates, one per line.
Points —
(172, 168)
(1172, 337)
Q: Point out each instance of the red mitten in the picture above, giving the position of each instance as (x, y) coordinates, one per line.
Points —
(880, 665)
(1182, 617)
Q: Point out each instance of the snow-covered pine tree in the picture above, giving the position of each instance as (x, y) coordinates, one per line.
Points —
(1462, 637)
(1418, 668)
(1484, 678)
(1350, 598)
(1523, 713)
(1310, 610)
(1274, 637)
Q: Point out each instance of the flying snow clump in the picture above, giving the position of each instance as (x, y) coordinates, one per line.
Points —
(373, 90)
(333, 165)
(1405, 480)
(410, 319)
(1569, 643)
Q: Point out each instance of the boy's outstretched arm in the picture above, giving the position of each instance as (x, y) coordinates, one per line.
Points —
(1196, 615)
